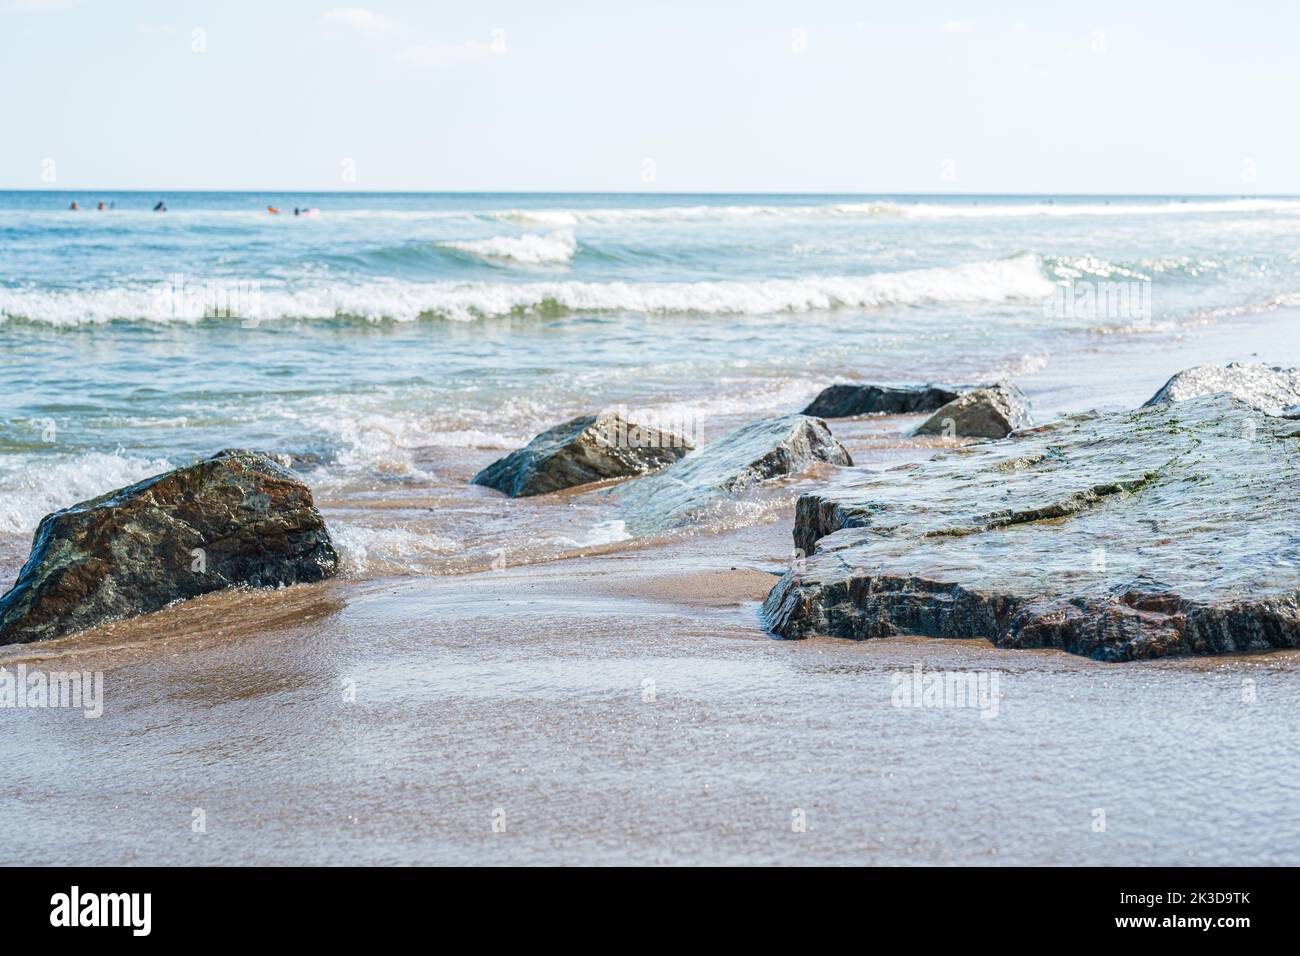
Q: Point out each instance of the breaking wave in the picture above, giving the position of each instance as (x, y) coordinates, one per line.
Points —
(959, 209)
(529, 249)
(31, 487)
(1019, 277)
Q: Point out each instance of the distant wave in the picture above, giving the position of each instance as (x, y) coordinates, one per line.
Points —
(960, 209)
(1119, 208)
(529, 249)
(562, 217)
(1019, 277)
(568, 217)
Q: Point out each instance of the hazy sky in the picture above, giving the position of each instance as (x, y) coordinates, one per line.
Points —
(864, 97)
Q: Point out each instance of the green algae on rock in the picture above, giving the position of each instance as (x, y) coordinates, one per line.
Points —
(582, 450)
(237, 518)
(1169, 530)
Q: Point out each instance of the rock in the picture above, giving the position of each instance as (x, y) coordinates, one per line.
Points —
(236, 518)
(993, 411)
(580, 451)
(1169, 530)
(845, 401)
(1268, 388)
(746, 456)
(1292, 412)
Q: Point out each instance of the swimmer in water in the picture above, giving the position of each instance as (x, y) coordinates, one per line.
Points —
(161, 207)
(74, 207)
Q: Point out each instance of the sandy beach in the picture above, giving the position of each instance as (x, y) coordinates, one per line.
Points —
(628, 709)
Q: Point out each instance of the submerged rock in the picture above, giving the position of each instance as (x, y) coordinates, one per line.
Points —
(741, 458)
(1270, 389)
(1169, 530)
(993, 411)
(236, 518)
(580, 451)
(845, 401)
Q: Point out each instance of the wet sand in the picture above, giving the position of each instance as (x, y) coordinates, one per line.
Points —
(626, 706)
(628, 709)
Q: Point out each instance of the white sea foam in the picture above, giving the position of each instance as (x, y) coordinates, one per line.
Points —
(387, 550)
(958, 209)
(32, 488)
(1121, 208)
(380, 444)
(1019, 277)
(601, 533)
(529, 249)
(561, 217)
(389, 444)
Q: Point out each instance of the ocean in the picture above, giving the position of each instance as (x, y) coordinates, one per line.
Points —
(528, 681)
(395, 343)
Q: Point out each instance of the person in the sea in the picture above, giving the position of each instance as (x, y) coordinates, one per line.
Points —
(296, 211)
(272, 210)
(74, 207)
(101, 207)
(161, 207)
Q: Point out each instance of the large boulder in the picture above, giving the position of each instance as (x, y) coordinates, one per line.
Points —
(739, 459)
(846, 401)
(237, 518)
(1169, 530)
(582, 450)
(994, 411)
(1271, 389)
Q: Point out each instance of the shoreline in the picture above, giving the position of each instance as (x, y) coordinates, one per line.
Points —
(627, 707)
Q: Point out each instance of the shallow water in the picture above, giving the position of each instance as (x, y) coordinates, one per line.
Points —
(602, 711)
(398, 343)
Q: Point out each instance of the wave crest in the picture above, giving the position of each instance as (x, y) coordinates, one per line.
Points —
(529, 249)
(1019, 277)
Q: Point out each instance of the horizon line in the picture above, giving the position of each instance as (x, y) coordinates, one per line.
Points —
(640, 192)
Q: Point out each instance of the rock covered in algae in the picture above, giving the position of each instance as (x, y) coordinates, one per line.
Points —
(1174, 529)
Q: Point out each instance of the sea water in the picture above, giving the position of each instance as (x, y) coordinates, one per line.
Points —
(626, 706)
(395, 343)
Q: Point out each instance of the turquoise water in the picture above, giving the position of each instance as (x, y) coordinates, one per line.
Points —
(397, 342)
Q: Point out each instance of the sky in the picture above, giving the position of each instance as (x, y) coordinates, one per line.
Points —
(879, 97)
